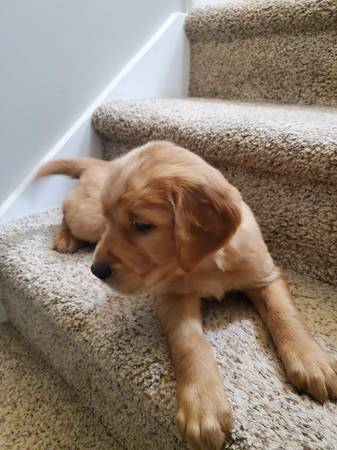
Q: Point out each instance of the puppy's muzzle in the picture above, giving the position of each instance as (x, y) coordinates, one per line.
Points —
(101, 270)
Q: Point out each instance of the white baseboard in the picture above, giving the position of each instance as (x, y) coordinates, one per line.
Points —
(159, 69)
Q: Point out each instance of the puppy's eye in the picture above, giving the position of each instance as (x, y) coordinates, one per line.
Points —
(142, 227)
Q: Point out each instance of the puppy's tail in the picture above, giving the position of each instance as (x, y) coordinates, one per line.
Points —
(72, 167)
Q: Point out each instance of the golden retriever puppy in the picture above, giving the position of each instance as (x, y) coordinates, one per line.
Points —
(168, 223)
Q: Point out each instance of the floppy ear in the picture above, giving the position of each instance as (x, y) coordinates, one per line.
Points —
(205, 218)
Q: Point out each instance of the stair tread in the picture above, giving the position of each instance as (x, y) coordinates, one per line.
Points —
(241, 19)
(121, 338)
(298, 140)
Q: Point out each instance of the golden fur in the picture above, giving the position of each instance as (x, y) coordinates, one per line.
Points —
(203, 241)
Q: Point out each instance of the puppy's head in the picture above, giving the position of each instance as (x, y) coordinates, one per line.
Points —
(166, 211)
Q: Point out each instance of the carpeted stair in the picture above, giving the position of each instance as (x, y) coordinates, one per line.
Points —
(265, 50)
(111, 349)
(272, 153)
(283, 158)
(38, 410)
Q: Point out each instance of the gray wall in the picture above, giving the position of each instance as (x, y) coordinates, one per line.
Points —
(55, 59)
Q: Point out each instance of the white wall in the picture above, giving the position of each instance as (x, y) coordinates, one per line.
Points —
(159, 69)
(55, 58)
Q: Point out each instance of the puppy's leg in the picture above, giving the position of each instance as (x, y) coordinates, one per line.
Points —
(308, 366)
(64, 241)
(203, 415)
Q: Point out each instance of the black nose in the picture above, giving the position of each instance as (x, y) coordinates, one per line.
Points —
(101, 270)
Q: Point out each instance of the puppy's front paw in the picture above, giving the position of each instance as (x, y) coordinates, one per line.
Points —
(66, 243)
(204, 415)
(311, 369)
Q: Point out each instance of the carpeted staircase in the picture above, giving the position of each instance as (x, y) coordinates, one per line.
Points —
(38, 410)
(254, 58)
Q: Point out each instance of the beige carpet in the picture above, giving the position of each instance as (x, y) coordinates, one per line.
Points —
(112, 351)
(37, 409)
(265, 50)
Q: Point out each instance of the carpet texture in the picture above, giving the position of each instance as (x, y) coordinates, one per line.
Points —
(112, 351)
(270, 50)
(37, 409)
(272, 153)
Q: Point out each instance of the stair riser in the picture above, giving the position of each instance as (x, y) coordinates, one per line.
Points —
(298, 219)
(276, 68)
(73, 358)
